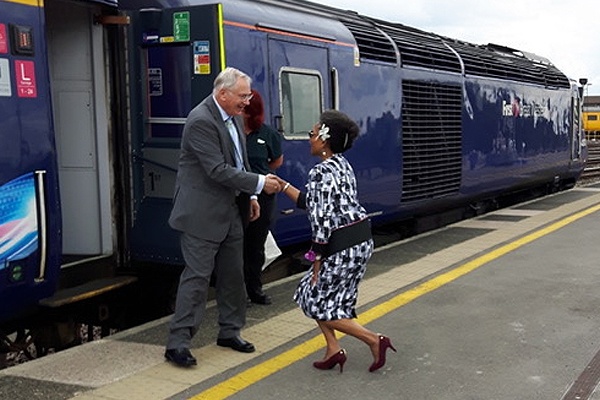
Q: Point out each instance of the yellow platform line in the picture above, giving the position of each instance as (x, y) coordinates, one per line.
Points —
(254, 374)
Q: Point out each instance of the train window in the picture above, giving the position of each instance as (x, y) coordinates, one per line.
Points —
(592, 117)
(301, 101)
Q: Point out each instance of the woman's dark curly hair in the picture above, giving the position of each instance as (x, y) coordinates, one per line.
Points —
(255, 112)
(342, 130)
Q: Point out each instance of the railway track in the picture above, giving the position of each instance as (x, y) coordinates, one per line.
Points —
(591, 173)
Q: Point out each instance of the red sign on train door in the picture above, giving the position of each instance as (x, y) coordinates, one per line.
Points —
(25, 72)
(3, 40)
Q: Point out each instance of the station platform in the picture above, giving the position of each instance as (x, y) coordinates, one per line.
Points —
(504, 306)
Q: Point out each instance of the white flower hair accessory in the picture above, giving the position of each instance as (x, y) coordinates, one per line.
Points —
(323, 132)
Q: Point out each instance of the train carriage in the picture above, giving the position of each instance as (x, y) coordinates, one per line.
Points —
(591, 117)
(443, 122)
(29, 198)
(58, 166)
(94, 95)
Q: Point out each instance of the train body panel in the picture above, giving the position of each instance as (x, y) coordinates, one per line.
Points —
(520, 135)
(29, 198)
(55, 126)
(443, 123)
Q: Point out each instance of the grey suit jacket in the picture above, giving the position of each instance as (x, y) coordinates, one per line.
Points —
(207, 179)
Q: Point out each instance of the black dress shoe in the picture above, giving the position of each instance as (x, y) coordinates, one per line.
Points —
(264, 299)
(182, 357)
(237, 344)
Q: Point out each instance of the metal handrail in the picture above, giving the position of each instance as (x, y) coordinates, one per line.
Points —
(41, 189)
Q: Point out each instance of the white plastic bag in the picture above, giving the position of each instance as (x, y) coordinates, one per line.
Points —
(272, 251)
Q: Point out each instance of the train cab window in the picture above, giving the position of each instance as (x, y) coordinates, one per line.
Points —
(301, 101)
(592, 117)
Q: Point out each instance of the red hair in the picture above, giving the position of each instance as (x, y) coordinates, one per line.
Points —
(255, 112)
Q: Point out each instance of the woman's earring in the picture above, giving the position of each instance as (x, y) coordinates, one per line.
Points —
(324, 153)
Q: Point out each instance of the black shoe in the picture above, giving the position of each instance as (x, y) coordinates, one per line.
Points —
(237, 344)
(182, 357)
(264, 299)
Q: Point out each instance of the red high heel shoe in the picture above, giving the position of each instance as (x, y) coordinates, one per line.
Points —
(337, 358)
(384, 344)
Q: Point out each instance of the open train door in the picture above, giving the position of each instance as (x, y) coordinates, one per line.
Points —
(177, 56)
(300, 89)
(79, 103)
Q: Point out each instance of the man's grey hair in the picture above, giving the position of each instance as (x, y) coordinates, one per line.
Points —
(228, 78)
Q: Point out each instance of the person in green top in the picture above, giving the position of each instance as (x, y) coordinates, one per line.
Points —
(263, 146)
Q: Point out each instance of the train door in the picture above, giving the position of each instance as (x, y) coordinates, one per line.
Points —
(76, 62)
(299, 92)
(176, 57)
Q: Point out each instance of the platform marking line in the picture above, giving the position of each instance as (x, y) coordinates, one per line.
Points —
(261, 371)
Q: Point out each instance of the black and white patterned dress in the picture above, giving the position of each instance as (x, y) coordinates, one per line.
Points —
(332, 203)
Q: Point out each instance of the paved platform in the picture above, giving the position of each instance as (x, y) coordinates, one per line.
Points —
(504, 306)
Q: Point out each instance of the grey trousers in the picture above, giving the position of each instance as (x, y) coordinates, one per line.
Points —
(201, 258)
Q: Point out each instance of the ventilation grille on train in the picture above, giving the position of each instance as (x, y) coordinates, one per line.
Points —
(431, 140)
(421, 49)
(505, 63)
(372, 44)
(427, 50)
(376, 39)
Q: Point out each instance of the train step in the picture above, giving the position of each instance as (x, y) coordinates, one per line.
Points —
(86, 291)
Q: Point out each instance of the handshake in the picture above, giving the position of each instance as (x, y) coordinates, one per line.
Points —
(274, 184)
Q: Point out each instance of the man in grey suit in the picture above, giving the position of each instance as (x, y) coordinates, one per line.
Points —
(210, 205)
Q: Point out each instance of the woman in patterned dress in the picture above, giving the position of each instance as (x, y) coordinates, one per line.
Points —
(341, 242)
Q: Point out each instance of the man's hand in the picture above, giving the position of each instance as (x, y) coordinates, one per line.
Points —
(254, 209)
(281, 181)
(271, 184)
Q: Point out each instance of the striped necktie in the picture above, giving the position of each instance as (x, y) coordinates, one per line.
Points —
(239, 162)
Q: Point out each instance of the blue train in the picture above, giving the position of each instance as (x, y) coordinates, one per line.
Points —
(94, 95)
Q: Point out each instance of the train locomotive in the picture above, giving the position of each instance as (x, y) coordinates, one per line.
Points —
(94, 141)
(443, 122)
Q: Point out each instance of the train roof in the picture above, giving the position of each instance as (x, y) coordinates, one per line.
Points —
(384, 41)
(591, 100)
(290, 16)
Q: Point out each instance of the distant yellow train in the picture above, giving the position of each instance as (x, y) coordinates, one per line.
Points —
(591, 120)
(591, 117)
